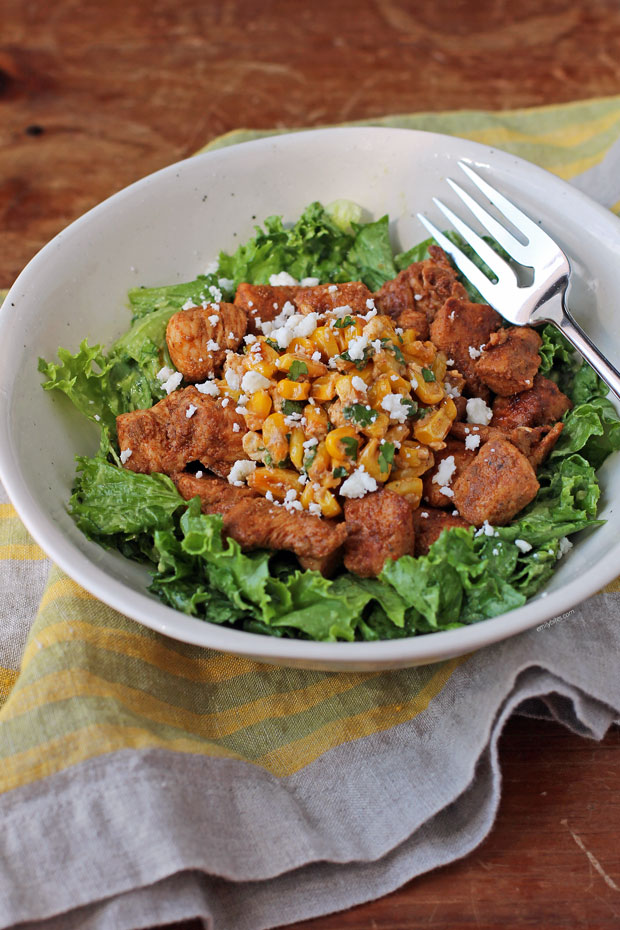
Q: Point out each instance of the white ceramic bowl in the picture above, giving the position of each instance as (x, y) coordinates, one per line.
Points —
(166, 228)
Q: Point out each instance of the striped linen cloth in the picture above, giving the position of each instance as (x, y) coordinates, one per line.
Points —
(145, 781)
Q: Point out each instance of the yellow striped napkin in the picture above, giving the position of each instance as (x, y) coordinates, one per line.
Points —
(140, 774)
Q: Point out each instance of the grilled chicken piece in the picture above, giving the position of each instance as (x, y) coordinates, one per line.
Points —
(416, 320)
(193, 335)
(543, 404)
(510, 360)
(423, 286)
(497, 485)
(257, 524)
(525, 438)
(216, 495)
(262, 303)
(462, 457)
(380, 527)
(429, 524)
(183, 427)
(325, 297)
(460, 326)
(543, 447)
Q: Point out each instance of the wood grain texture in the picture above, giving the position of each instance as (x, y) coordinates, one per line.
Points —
(95, 95)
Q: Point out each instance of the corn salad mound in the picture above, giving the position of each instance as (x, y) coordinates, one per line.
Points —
(353, 404)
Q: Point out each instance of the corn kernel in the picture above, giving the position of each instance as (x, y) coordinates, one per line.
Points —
(410, 488)
(380, 389)
(296, 447)
(311, 370)
(324, 388)
(293, 390)
(302, 345)
(277, 480)
(320, 471)
(325, 340)
(257, 409)
(414, 457)
(274, 436)
(327, 502)
(435, 426)
(369, 458)
(429, 392)
(317, 423)
(378, 428)
(333, 442)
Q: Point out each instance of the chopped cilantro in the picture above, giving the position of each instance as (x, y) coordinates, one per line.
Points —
(309, 458)
(267, 459)
(273, 344)
(350, 445)
(358, 362)
(386, 455)
(297, 368)
(360, 414)
(414, 410)
(340, 472)
(389, 346)
(347, 321)
(292, 406)
(428, 375)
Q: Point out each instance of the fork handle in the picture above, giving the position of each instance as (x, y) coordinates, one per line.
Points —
(576, 336)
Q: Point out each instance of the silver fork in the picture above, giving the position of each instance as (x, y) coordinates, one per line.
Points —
(542, 301)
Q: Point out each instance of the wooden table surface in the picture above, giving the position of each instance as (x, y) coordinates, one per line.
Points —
(95, 95)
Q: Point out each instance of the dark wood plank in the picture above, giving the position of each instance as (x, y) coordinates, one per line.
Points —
(96, 95)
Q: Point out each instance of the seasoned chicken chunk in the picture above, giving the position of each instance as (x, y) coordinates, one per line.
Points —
(429, 524)
(216, 495)
(544, 403)
(459, 329)
(540, 450)
(262, 302)
(380, 527)
(199, 338)
(325, 297)
(257, 524)
(423, 286)
(182, 428)
(525, 438)
(510, 360)
(457, 458)
(497, 485)
(416, 320)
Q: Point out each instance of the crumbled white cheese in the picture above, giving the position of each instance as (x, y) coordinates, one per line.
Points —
(565, 544)
(309, 443)
(356, 348)
(424, 514)
(342, 311)
(309, 282)
(316, 356)
(358, 483)
(173, 382)
(451, 389)
(213, 346)
(370, 315)
(226, 283)
(198, 474)
(478, 412)
(332, 288)
(359, 384)
(282, 279)
(449, 361)
(297, 326)
(417, 297)
(474, 352)
(188, 305)
(445, 472)
(472, 442)
(212, 267)
(126, 454)
(191, 410)
(392, 404)
(485, 530)
(97, 417)
(225, 401)
(235, 427)
(314, 509)
(213, 319)
(216, 293)
(164, 373)
(253, 381)
(291, 495)
(522, 545)
(232, 379)
(447, 491)
(370, 304)
(240, 472)
(250, 339)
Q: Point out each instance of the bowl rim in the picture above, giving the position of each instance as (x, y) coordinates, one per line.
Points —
(140, 606)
